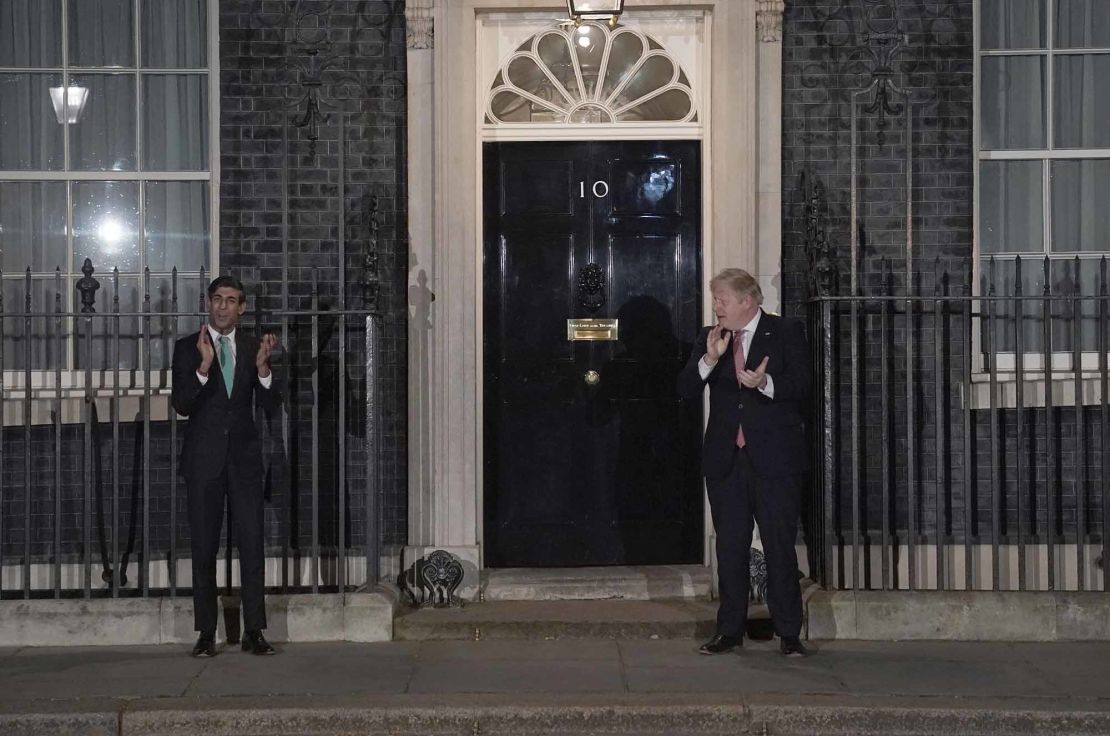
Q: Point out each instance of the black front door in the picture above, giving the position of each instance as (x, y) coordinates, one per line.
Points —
(590, 456)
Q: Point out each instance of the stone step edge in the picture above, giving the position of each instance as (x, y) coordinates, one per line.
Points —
(522, 630)
(1013, 718)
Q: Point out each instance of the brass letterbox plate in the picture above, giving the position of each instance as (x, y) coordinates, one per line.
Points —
(592, 329)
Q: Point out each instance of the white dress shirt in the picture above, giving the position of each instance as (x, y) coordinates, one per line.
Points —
(746, 335)
(231, 344)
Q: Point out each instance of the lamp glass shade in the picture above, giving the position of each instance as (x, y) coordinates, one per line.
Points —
(69, 103)
(595, 9)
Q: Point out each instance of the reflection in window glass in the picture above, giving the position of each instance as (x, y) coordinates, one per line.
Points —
(30, 135)
(526, 74)
(1081, 104)
(105, 345)
(31, 33)
(1010, 212)
(40, 344)
(625, 53)
(555, 53)
(176, 225)
(1013, 103)
(104, 138)
(175, 133)
(1075, 276)
(33, 226)
(174, 33)
(1012, 24)
(654, 74)
(1082, 24)
(1067, 276)
(1081, 205)
(674, 104)
(101, 33)
(1001, 276)
(589, 45)
(164, 331)
(510, 107)
(106, 224)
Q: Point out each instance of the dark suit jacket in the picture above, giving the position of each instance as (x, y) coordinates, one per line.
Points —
(774, 429)
(220, 429)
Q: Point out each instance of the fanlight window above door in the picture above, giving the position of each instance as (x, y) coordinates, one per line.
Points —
(590, 74)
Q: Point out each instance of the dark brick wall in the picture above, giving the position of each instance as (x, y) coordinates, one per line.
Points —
(824, 60)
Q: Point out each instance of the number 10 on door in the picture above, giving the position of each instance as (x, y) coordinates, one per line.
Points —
(600, 189)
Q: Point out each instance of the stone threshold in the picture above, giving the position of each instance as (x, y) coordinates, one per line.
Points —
(641, 583)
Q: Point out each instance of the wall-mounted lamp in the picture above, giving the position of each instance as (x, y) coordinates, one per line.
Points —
(69, 103)
(610, 10)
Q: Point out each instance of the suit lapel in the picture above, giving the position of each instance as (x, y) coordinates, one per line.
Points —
(760, 341)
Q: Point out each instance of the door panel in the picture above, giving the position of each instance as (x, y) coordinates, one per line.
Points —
(580, 473)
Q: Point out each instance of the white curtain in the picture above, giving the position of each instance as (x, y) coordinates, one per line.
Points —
(175, 122)
(101, 33)
(1082, 23)
(174, 33)
(32, 137)
(31, 33)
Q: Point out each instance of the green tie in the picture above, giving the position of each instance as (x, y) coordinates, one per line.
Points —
(226, 364)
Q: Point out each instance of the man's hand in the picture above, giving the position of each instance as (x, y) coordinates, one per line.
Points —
(716, 342)
(266, 346)
(204, 347)
(756, 379)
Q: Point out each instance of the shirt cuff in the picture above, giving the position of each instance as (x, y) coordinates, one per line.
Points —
(202, 378)
(267, 381)
(704, 368)
(769, 389)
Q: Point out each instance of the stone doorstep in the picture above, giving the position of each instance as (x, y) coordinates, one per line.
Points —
(364, 617)
(615, 715)
(958, 615)
(571, 619)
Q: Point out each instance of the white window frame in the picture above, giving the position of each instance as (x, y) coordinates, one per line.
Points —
(1063, 370)
(13, 388)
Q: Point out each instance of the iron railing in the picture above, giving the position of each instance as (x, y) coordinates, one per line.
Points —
(962, 438)
(85, 392)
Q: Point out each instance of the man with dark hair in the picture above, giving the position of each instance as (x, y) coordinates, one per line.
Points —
(757, 368)
(222, 456)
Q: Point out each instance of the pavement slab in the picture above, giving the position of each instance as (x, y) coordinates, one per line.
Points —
(571, 686)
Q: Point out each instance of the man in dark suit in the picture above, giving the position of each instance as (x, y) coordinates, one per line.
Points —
(216, 374)
(754, 454)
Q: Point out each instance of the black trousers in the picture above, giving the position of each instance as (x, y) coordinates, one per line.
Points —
(207, 500)
(774, 503)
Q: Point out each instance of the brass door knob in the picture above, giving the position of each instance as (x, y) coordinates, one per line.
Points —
(592, 378)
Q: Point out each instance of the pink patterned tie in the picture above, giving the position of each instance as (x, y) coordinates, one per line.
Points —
(738, 359)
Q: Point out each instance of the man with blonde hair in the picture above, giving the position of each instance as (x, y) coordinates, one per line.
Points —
(754, 453)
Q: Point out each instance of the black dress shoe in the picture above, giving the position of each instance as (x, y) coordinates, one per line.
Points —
(255, 643)
(205, 646)
(792, 647)
(719, 644)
